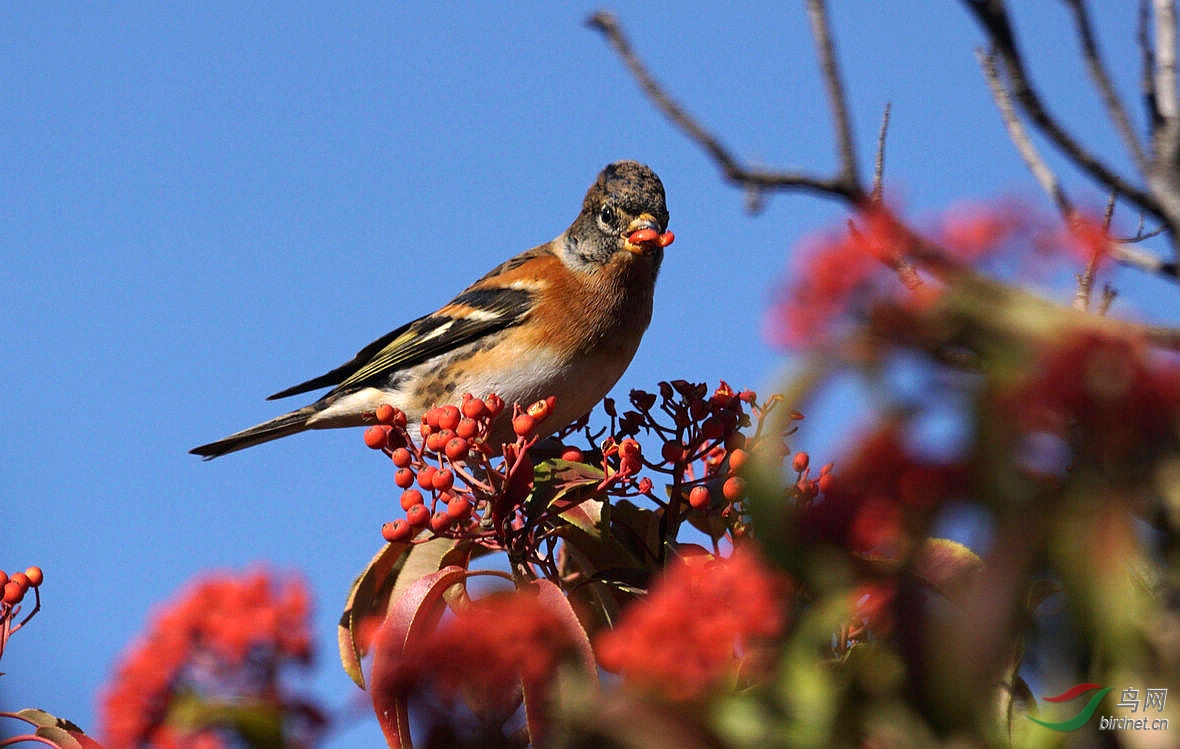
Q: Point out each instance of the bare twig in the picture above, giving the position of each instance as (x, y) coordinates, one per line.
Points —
(1128, 254)
(1110, 98)
(993, 17)
(879, 164)
(1019, 136)
(753, 179)
(1147, 62)
(846, 150)
(1108, 295)
(1165, 52)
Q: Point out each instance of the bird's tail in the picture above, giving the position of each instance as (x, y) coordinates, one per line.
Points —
(280, 426)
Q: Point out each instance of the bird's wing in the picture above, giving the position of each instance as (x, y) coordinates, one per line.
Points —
(478, 312)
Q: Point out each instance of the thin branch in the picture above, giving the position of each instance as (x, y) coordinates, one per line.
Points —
(1108, 295)
(817, 14)
(1019, 136)
(750, 178)
(1128, 254)
(993, 16)
(879, 164)
(1165, 52)
(1147, 62)
(1110, 98)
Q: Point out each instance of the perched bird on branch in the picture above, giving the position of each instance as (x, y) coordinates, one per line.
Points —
(563, 319)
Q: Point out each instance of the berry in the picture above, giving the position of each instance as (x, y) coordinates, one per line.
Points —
(458, 508)
(456, 448)
(20, 579)
(542, 408)
(404, 478)
(430, 418)
(448, 417)
(418, 516)
(643, 235)
(643, 486)
(467, 428)
(699, 497)
(377, 437)
(734, 488)
(443, 480)
(800, 462)
(440, 521)
(738, 458)
(3, 578)
(402, 457)
(572, 454)
(667, 238)
(495, 404)
(524, 425)
(474, 408)
(426, 477)
(385, 413)
(824, 483)
(13, 593)
(397, 530)
(411, 497)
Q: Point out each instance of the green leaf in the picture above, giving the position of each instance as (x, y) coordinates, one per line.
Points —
(558, 483)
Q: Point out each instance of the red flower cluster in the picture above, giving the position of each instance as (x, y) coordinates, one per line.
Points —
(863, 508)
(701, 623)
(223, 639)
(1105, 396)
(489, 646)
(837, 273)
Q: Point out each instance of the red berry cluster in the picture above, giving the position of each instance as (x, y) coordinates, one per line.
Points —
(13, 589)
(446, 475)
(16, 585)
(703, 448)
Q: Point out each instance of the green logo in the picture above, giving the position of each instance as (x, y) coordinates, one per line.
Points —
(1082, 717)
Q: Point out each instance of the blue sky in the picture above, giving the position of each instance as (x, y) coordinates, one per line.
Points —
(202, 205)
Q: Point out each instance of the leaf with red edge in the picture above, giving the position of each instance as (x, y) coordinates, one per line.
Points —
(412, 614)
(368, 598)
(58, 731)
(539, 697)
(562, 484)
(948, 567)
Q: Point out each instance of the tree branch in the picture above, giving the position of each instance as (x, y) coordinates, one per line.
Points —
(1110, 98)
(841, 186)
(992, 15)
(817, 14)
(1019, 136)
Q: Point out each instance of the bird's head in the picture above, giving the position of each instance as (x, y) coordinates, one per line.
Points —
(623, 212)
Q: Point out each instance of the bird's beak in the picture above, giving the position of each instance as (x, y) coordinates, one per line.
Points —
(642, 236)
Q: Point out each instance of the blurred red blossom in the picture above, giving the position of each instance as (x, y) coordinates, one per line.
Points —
(863, 508)
(677, 644)
(221, 641)
(1107, 395)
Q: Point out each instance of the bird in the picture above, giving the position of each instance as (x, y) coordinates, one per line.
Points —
(562, 319)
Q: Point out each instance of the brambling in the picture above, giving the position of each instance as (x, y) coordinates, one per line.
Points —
(562, 319)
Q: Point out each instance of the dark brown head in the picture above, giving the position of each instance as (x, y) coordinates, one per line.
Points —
(624, 211)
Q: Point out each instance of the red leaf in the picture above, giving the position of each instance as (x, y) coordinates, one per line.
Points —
(412, 614)
(539, 697)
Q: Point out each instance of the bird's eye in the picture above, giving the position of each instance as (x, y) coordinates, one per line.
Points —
(606, 216)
